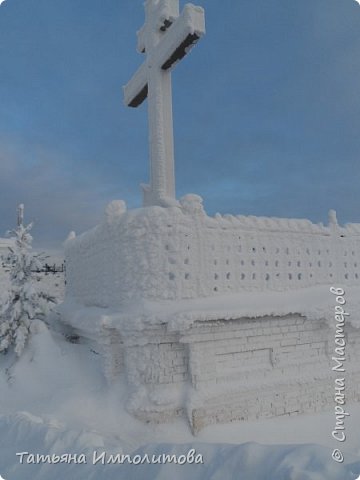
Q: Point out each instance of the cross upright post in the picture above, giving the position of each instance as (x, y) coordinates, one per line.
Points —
(20, 216)
(166, 37)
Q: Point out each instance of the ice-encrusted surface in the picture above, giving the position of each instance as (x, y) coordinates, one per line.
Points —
(178, 253)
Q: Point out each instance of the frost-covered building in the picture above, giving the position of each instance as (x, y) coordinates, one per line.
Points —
(213, 318)
(5, 245)
(219, 319)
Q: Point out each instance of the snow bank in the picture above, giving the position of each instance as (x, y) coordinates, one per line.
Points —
(54, 401)
(26, 433)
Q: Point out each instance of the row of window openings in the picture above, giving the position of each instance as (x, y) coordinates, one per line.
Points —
(277, 250)
(186, 261)
(290, 277)
(287, 250)
(298, 263)
(299, 276)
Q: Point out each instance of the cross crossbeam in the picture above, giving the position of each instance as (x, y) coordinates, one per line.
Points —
(166, 37)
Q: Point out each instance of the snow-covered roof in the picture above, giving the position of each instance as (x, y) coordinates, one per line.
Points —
(6, 243)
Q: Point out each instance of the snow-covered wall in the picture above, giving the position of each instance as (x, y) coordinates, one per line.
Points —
(225, 370)
(180, 252)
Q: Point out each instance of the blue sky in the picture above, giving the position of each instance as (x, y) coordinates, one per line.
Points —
(266, 111)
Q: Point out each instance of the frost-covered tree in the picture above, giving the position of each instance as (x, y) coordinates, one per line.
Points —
(24, 302)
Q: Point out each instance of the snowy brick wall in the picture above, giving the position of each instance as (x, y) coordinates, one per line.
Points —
(251, 350)
(225, 370)
(163, 360)
(266, 367)
(112, 351)
(178, 253)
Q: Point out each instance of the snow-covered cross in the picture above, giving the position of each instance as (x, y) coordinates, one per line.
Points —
(20, 218)
(166, 37)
